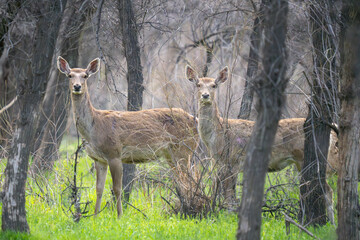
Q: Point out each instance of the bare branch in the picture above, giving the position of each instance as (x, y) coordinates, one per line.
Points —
(8, 106)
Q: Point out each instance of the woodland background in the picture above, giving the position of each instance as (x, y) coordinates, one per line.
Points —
(144, 47)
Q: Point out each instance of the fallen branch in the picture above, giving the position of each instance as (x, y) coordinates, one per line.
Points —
(290, 220)
(8, 106)
(136, 209)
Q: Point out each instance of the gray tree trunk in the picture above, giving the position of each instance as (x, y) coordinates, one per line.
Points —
(252, 68)
(209, 57)
(349, 137)
(56, 105)
(134, 76)
(31, 77)
(321, 108)
(270, 87)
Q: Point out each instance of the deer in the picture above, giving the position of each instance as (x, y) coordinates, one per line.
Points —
(226, 139)
(116, 137)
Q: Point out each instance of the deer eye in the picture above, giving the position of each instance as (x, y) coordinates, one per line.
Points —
(198, 85)
(86, 76)
(69, 76)
(213, 86)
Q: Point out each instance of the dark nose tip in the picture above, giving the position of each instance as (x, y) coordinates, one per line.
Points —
(77, 87)
(205, 95)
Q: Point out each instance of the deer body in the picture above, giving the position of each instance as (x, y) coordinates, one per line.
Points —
(116, 137)
(233, 135)
(226, 139)
(136, 137)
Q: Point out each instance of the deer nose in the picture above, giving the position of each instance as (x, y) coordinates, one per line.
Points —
(205, 95)
(77, 87)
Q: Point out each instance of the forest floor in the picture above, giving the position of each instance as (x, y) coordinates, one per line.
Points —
(149, 216)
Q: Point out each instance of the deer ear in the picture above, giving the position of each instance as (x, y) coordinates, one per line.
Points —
(191, 74)
(63, 65)
(223, 75)
(93, 66)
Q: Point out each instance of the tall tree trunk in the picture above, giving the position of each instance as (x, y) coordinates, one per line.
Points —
(252, 68)
(317, 126)
(270, 87)
(134, 76)
(348, 211)
(56, 105)
(32, 77)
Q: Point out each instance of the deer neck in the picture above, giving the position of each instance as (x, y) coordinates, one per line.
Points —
(209, 123)
(83, 114)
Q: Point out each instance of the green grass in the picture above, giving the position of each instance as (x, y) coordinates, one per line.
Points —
(47, 220)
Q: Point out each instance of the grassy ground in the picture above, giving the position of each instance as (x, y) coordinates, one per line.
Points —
(49, 218)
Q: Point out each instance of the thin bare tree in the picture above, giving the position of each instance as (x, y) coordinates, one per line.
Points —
(56, 105)
(270, 88)
(252, 68)
(322, 107)
(134, 76)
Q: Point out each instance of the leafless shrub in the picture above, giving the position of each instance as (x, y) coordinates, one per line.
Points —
(279, 196)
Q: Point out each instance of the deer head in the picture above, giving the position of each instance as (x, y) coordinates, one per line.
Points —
(78, 76)
(206, 86)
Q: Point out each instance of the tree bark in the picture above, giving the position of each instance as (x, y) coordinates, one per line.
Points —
(349, 137)
(31, 77)
(317, 126)
(252, 68)
(209, 57)
(7, 87)
(270, 87)
(56, 105)
(134, 76)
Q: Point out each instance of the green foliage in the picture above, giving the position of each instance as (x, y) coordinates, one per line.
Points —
(49, 218)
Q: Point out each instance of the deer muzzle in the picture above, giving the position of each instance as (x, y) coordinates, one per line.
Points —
(77, 89)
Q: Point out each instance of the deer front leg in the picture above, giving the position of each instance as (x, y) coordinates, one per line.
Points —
(101, 172)
(116, 170)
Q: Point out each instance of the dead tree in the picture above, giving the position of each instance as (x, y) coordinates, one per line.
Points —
(320, 117)
(134, 76)
(31, 78)
(349, 137)
(270, 88)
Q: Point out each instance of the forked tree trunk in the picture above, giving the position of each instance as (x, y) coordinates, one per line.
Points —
(56, 105)
(252, 68)
(270, 87)
(31, 77)
(349, 137)
(321, 108)
(134, 76)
